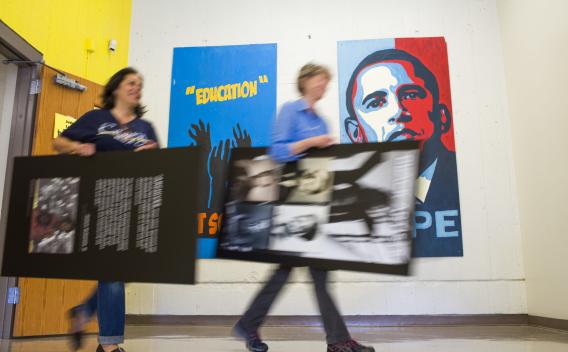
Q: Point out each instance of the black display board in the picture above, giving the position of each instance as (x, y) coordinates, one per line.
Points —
(120, 216)
(345, 207)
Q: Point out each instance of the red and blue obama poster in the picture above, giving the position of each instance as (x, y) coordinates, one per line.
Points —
(221, 97)
(399, 89)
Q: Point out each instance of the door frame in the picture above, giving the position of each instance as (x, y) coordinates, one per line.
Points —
(28, 60)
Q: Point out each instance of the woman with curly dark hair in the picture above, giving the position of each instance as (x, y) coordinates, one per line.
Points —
(118, 126)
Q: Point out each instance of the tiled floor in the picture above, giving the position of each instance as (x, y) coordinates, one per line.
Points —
(309, 339)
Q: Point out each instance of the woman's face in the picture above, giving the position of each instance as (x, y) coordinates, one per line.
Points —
(129, 91)
(312, 181)
(315, 87)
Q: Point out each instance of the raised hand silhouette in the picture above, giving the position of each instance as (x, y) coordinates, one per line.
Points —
(242, 138)
(218, 165)
(201, 136)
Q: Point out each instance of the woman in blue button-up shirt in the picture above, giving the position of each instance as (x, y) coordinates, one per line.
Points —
(299, 128)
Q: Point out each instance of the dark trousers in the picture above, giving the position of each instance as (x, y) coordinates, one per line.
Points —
(333, 323)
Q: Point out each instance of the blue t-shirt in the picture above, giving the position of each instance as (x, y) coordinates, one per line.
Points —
(295, 122)
(103, 130)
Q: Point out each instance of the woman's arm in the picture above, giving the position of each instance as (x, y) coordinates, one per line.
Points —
(69, 142)
(65, 145)
(148, 146)
(322, 141)
(284, 147)
(152, 140)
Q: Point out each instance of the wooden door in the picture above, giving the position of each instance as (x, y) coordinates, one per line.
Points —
(44, 302)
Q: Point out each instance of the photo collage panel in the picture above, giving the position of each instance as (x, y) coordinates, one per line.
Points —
(352, 207)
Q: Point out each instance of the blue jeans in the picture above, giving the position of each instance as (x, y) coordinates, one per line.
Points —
(108, 302)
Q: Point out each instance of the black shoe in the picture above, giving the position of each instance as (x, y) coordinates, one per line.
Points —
(349, 346)
(76, 336)
(252, 341)
(118, 349)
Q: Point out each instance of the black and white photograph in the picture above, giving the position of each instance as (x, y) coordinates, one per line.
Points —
(54, 215)
(297, 228)
(247, 226)
(308, 181)
(300, 229)
(372, 205)
(255, 180)
(349, 206)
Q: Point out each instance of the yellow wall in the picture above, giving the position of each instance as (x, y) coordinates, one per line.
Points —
(61, 28)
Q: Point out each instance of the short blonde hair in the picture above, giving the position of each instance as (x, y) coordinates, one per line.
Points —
(310, 70)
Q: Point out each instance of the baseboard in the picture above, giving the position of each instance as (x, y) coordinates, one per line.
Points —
(351, 320)
(559, 324)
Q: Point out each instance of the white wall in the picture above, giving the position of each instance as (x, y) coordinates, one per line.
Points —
(535, 42)
(489, 278)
